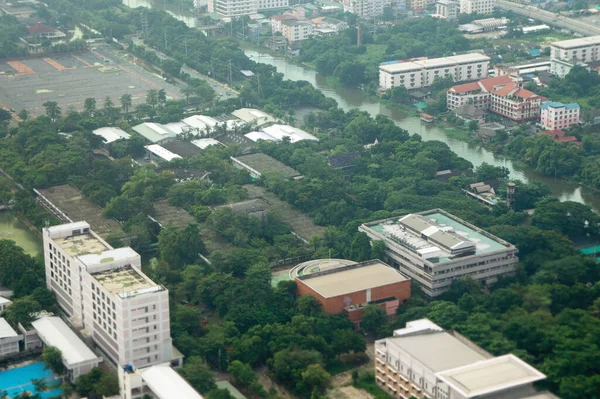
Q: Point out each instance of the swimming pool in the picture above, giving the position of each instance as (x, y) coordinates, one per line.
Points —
(18, 380)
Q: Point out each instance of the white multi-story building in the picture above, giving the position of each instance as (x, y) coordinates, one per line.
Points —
(296, 31)
(160, 381)
(415, 5)
(424, 361)
(422, 73)
(559, 116)
(9, 339)
(447, 9)
(104, 291)
(435, 248)
(585, 49)
(233, 8)
(272, 4)
(482, 7)
(366, 8)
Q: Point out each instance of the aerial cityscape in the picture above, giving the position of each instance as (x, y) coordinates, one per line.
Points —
(285, 199)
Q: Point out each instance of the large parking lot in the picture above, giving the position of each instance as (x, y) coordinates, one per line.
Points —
(69, 79)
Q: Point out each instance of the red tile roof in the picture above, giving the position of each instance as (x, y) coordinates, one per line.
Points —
(505, 90)
(525, 94)
(560, 136)
(36, 29)
(490, 83)
(464, 88)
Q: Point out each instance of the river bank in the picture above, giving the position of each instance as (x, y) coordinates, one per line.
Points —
(12, 228)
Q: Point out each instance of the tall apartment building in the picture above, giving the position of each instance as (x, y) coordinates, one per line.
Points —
(425, 361)
(482, 7)
(447, 9)
(422, 73)
(104, 291)
(585, 49)
(366, 8)
(557, 116)
(233, 8)
(415, 5)
(296, 31)
(499, 95)
(435, 248)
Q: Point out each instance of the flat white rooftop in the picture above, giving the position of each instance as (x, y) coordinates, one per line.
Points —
(166, 383)
(205, 143)
(417, 326)
(55, 332)
(294, 134)
(126, 282)
(161, 152)
(352, 278)
(575, 43)
(81, 244)
(417, 65)
(6, 331)
(491, 375)
(109, 256)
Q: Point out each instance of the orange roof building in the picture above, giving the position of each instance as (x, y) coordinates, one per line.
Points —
(560, 136)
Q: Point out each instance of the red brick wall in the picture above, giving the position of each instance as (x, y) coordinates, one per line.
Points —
(334, 305)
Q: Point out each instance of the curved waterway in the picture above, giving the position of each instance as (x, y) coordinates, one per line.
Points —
(348, 98)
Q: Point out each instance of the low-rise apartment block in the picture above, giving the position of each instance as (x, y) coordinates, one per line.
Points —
(104, 292)
(447, 9)
(585, 49)
(424, 361)
(482, 7)
(233, 8)
(9, 339)
(366, 8)
(159, 381)
(556, 115)
(500, 95)
(422, 73)
(435, 248)
(296, 31)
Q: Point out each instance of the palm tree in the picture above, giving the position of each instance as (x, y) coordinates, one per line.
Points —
(126, 102)
(152, 98)
(162, 96)
(89, 106)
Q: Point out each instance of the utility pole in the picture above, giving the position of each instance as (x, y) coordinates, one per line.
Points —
(259, 90)
(185, 47)
(165, 32)
(229, 72)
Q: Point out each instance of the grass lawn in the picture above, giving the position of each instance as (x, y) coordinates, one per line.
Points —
(375, 52)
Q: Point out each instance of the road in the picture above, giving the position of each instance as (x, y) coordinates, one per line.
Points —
(221, 90)
(550, 18)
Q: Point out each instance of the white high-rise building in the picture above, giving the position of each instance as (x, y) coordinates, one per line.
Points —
(233, 8)
(366, 8)
(585, 49)
(104, 291)
(482, 7)
(272, 4)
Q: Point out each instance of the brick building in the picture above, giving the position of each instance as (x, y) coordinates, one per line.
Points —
(348, 289)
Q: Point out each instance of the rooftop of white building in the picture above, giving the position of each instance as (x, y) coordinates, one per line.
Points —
(491, 375)
(6, 331)
(200, 122)
(55, 332)
(580, 42)
(81, 244)
(402, 66)
(166, 383)
(109, 256)
(280, 131)
(111, 134)
(161, 152)
(255, 136)
(253, 115)
(126, 282)
(4, 301)
(437, 236)
(205, 143)
(154, 132)
(416, 326)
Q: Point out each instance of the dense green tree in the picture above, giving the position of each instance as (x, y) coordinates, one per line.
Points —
(179, 248)
(198, 374)
(374, 319)
(52, 357)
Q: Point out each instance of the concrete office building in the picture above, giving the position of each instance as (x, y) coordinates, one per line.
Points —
(585, 49)
(556, 115)
(233, 8)
(272, 4)
(447, 9)
(9, 339)
(160, 382)
(104, 291)
(435, 248)
(296, 31)
(366, 8)
(422, 73)
(424, 361)
(348, 288)
(77, 357)
(482, 7)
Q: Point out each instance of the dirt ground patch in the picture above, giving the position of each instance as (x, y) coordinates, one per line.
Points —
(348, 392)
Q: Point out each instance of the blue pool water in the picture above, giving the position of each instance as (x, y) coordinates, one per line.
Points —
(18, 380)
